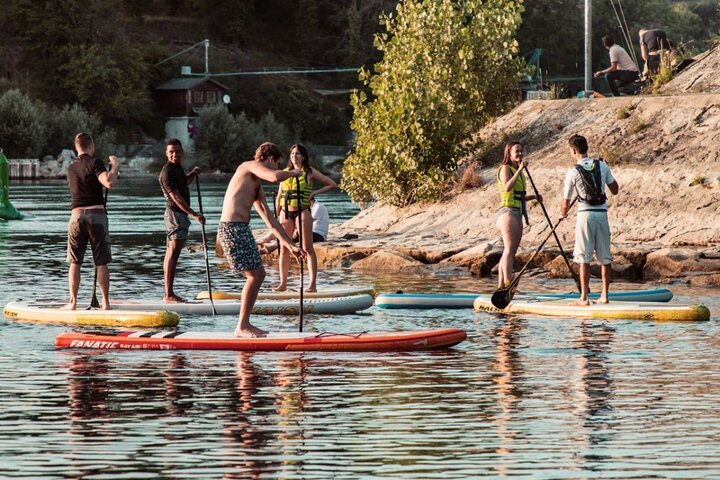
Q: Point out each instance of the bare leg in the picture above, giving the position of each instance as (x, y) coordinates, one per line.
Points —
(174, 247)
(511, 231)
(606, 271)
(308, 246)
(74, 284)
(584, 285)
(249, 296)
(103, 275)
(284, 255)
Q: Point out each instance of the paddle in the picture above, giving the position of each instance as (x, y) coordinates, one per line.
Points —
(94, 302)
(503, 296)
(562, 252)
(302, 273)
(207, 261)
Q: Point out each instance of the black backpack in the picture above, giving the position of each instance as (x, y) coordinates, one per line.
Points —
(593, 184)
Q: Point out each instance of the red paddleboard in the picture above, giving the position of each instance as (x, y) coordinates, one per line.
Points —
(291, 341)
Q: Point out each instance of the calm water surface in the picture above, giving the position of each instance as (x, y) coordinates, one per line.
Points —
(524, 397)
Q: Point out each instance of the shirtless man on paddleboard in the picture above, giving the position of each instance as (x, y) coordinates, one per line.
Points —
(244, 192)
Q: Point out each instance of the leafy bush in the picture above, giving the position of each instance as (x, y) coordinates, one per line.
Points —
(226, 140)
(64, 124)
(448, 67)
(219, 138)
(22, 125)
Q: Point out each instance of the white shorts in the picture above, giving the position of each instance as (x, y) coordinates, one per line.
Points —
(592, 234)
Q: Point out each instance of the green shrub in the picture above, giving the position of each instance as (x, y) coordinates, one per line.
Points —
(226, 140)
(448, 67)
(22, 125)
(219, 139)
(64, 124)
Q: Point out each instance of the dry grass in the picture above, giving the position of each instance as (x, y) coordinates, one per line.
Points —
(470, 178)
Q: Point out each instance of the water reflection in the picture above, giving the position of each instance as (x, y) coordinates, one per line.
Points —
(526, 397)
(591, 392)
(508, 380)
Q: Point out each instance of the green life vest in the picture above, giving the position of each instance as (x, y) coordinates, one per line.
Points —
(289, 193)
(513, 198)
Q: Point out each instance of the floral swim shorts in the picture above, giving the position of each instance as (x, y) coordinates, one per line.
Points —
(239, 246)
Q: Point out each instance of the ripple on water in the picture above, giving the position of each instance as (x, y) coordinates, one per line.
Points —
(526, 397)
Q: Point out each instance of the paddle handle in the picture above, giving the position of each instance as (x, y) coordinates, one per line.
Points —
(547, 216)
(94, 300)
(204, 241)
(516, 280)
(300, 243)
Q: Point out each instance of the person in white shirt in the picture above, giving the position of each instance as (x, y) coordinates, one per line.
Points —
(622, 70)
(320, 228)
(321, 220)
(587, 180)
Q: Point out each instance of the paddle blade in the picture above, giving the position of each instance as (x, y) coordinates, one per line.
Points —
(501, 298)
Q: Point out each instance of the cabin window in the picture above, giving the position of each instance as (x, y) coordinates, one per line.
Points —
(212, 97)
(198, 96)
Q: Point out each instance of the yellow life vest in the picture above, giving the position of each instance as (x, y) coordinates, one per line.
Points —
(289, 193)
(513, 198)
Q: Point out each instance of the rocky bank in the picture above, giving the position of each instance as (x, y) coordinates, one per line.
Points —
(665, 154)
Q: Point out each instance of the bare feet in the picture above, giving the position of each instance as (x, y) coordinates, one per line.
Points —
(311, 289)
(603, 299)
(173, 299)
(250, 332)
(69, 306)
(106, 306)
(582, 303)
(279, 288)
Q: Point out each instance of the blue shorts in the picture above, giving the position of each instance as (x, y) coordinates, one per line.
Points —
(177, 225)
(239, 246)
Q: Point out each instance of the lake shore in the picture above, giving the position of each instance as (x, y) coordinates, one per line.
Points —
(664, 222)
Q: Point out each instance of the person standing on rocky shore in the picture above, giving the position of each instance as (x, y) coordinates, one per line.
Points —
(587, 179)
(86, 178)
(291, 207)
(512, 186)
(175, 185)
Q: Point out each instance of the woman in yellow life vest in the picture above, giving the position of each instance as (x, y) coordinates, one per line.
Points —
(511, 183)
(289, 208)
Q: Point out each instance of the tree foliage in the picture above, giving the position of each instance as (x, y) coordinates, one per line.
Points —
(31, 129)
(22, 125)
(557, 27)
(447, 67)
(226, 140)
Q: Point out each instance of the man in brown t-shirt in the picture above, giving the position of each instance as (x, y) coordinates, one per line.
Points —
(86, 178)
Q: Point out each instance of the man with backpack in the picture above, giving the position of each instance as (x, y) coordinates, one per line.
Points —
(587, 180)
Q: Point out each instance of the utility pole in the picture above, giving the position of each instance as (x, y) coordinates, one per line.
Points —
(588, 48)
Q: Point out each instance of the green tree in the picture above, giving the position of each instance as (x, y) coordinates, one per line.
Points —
(448, 67)
(219, 138)
(22, 125)
(64, 124)
(557, 26)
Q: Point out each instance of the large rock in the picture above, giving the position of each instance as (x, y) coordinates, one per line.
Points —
(676, 262)
(480, 259)
(391, 261)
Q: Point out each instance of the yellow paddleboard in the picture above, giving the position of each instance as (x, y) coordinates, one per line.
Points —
(612, 310)
(51, 313)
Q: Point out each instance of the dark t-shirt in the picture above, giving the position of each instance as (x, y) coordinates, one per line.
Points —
(173, 179)
(82, 178)
(655, 40)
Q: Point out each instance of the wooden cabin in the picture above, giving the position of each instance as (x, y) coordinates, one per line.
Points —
(182, 100)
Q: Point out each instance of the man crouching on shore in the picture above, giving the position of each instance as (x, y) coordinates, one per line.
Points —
(237, 241)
